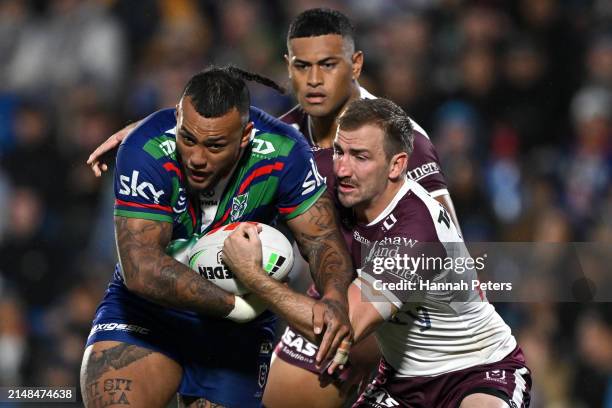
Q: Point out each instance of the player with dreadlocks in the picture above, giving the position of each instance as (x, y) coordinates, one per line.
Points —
(161, 327)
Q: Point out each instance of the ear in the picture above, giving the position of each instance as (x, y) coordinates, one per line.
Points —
(357, 60)
(246, 135)
(288, 61)
(398, 166)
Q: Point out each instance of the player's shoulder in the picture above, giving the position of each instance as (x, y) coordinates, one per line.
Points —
(410, 214)
(154, 136)
(272, 133)
(294, 117)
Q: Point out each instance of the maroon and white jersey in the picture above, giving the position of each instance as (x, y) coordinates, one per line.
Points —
(443, 324)
(423, 165)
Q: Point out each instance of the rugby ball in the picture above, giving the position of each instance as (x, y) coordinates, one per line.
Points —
(205, 257)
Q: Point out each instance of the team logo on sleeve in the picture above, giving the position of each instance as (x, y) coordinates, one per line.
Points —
(239, 204)
(131, 187)
(313, 179)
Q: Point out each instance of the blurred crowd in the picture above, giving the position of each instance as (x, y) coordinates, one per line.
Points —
(516, 96)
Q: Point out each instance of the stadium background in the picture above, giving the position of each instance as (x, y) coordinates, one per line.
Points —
(516, 96)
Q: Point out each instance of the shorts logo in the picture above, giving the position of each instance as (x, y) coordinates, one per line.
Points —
(239, 205)
(298, 343)
(119, 326)
(380, 398)
(496, 375)
(265, 348)
(263, 375)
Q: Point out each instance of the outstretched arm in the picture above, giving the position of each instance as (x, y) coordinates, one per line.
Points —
(94, 159)
(152, 274)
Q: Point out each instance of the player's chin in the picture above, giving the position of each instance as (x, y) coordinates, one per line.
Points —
(346, 200)
(199, 185)
(316, 109)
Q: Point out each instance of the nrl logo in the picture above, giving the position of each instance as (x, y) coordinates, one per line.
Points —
(239, 204)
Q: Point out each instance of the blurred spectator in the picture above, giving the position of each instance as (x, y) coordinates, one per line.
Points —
(76, 42)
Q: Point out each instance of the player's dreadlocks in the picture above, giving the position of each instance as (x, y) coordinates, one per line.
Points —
(216, 90)
(253, 77)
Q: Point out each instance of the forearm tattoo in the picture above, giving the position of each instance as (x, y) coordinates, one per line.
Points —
(323, 247)
(161, 278)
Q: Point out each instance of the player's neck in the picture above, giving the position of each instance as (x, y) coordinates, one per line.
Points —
(371, 210)
(323, 128)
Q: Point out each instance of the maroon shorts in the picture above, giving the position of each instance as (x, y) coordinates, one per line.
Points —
(296, 350)
(509, 379)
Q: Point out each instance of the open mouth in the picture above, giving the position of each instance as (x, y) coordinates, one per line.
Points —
(315, 97)
(345, 187)
(198, 176)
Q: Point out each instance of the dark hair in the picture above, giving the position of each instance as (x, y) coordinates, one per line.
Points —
(217, 90)
(321, 21)
(384, 114)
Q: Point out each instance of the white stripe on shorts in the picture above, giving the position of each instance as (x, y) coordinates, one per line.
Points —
(520, 386)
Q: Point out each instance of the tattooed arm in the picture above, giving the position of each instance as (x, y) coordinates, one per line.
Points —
(318, 236)
(152, 274)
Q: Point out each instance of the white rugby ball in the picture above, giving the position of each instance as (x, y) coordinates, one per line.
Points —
(205, 257)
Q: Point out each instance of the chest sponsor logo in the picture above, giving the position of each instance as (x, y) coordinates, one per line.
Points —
(239, 205)
(262, 146)
(168, 147)
(313, 179)
(131, 187)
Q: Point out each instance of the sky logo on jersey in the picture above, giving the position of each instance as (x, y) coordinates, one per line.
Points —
(239, 204)
(313, 179)
(130, 187)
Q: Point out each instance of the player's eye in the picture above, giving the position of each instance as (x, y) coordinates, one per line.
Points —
(188, 140)
(328, 65)
(215, 147)
(299, 66)
(361, 157)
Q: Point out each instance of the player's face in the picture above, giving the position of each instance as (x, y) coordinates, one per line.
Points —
(208, 147)
(361, 166)
(322, 72)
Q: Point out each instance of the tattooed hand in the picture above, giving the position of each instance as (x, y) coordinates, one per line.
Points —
(330, 317)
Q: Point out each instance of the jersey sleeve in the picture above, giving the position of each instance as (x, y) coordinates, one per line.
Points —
(142, 187)
(424, 166)
(300, 184)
